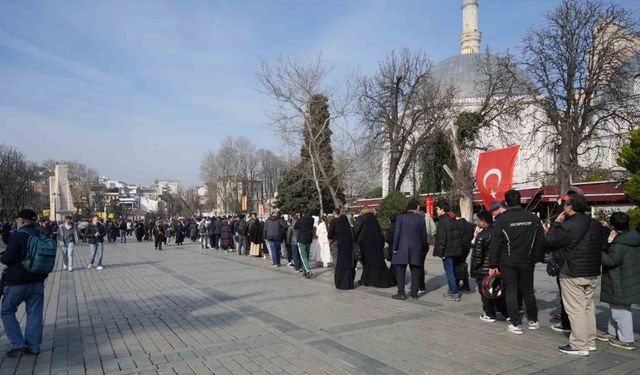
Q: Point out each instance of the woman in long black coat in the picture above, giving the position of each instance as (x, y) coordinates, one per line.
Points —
(345, 269)
(370, 239)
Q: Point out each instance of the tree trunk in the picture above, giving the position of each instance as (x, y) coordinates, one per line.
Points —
(391, 178)
(564, 168)
(317, 183)
(465, 188)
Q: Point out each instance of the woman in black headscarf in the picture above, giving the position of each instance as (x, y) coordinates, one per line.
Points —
(370, 239)
(340, 231)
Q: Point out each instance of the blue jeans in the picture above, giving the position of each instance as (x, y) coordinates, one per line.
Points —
(33, 297)
(450, 271)
(274, 247)
(96, 253)
(204, 241)
(67, 254)
(123, 235)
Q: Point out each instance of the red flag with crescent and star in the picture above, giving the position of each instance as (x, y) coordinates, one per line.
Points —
(494, 175)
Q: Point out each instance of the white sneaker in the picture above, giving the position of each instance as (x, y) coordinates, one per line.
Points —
(70, 269)
(533, 325)
(64, 267)
(513, 329)
(89, 266)
(99, 268)
(486, 318)
(592, 348)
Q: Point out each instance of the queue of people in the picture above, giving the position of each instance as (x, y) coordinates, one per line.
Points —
(504, 246)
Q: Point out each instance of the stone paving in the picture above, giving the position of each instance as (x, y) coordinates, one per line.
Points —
(190, 311)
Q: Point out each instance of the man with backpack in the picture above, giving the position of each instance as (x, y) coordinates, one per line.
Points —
(21, 285)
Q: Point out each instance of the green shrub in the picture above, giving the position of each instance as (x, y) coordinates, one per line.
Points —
(394, 203)
(376, 192)
(634, 215)
(632, 188)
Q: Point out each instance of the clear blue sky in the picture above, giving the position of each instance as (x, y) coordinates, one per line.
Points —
(142, 89)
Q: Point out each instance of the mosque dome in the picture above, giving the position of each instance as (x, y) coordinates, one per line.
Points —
(464, 73)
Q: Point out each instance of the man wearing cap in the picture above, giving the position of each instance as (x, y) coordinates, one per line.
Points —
(578, 239)
(517, 243)
(22, 286)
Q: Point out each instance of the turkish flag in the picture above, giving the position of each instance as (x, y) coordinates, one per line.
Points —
(494, 175)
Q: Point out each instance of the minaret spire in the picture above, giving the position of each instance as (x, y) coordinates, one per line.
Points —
(470, 37)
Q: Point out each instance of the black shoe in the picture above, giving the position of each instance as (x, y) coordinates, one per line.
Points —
(29, 351)
(15, 352)
(399, 296)
(414, 296)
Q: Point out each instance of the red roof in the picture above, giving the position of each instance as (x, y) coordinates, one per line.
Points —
(595, 192)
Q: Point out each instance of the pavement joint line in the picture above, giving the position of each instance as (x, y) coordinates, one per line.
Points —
(278, 323)
(360, 289)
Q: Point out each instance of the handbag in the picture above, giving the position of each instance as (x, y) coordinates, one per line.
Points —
(553, 266)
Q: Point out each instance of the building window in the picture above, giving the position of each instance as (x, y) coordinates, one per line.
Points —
(636, 85)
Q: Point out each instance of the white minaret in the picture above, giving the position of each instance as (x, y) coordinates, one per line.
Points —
(470, 37)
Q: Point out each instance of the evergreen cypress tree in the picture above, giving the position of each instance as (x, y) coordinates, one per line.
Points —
(298, 189)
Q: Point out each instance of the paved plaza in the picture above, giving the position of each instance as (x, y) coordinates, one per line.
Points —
(190, 311)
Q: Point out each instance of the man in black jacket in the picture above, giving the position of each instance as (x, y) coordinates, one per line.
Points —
(579, 240)
(448, 246)
(304, 226)
(22, 286)
(480, 267)
(517, 243)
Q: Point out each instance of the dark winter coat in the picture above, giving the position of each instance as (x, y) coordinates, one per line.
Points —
(578, 242)
(480, 254)
(410, 242)
(517, 239)
(92, 229)
(275, 229)
(217, 227)
(448, 237)
(255, 231)
(13, 256)
(621, 270)
(304, 226)
(468, 230)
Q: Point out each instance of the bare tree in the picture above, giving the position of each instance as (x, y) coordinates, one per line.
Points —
(580, 80)
(296, 87)
(17, 179)
(490, 117)
(402, 105)
(236, 168)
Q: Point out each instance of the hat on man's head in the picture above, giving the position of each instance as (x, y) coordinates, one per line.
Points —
(573, 190)
(28, 215)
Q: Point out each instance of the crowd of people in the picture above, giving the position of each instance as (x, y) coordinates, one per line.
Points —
(499, 251)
